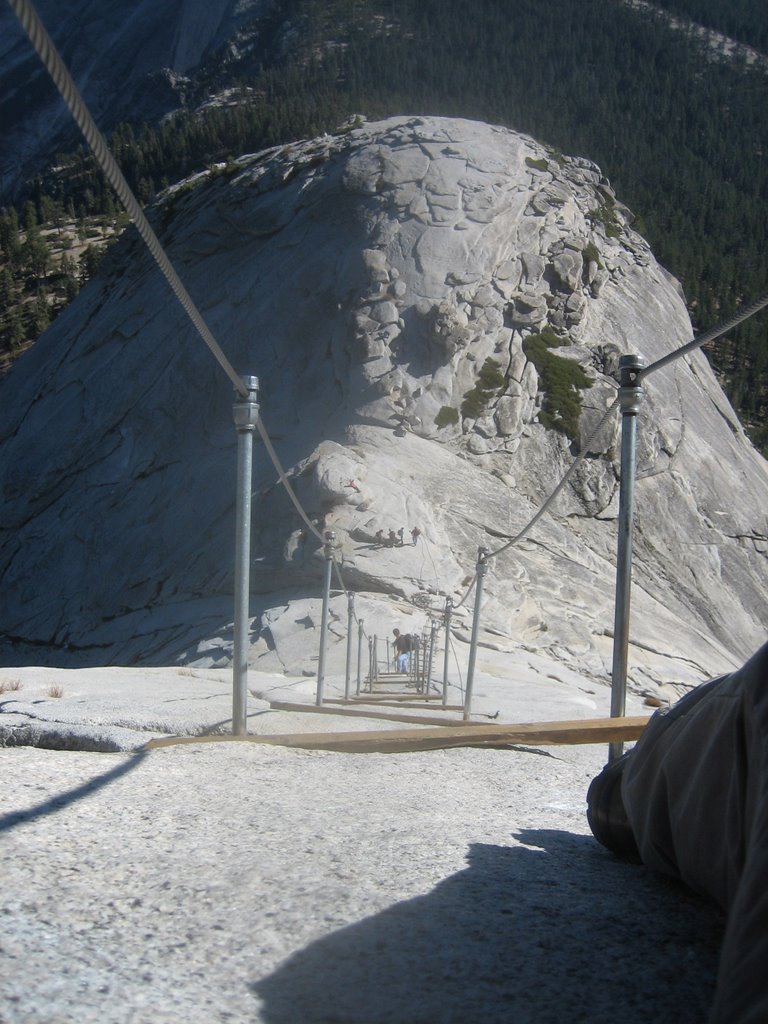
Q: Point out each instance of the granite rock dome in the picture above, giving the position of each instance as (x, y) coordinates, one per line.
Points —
(388, 285)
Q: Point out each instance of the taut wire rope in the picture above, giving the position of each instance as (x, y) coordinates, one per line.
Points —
(696, 343)
(702, 339)
(337, 570)
(468, 591)
(458, 667)
(566, 477)
(64, 82)
(285, 481)
(434, 567)
(542, 510)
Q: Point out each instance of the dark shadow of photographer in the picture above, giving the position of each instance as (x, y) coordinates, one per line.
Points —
(554, 930)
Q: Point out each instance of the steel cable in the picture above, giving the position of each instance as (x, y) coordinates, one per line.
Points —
(434, 567)
(337, 569)
(471, 587)
(702, 339)
(566, 477)
(696, 343)
(64, 82)
(458, 667)
(284, 479)
(710, 335)
(545, 506)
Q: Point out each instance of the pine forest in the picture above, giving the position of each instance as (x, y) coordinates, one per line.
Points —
(675, 116)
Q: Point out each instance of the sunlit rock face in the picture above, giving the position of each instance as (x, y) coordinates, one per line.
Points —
(393, 287)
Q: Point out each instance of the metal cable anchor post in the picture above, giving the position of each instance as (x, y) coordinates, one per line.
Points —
(246, 414)
(348, 667)
(448, 612)
(482, 570)
(630, 396)
(359, 654)
(428, 674)
(328, 553)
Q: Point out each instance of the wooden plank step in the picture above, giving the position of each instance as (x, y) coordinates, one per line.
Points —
(596, 730)
(362, 712)
(396, 695)
(395, 704)
(380, 695)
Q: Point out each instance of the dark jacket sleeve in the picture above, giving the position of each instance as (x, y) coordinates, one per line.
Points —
(695, 790)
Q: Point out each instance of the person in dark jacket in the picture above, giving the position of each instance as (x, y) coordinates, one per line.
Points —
(691, 801)
(403, 646)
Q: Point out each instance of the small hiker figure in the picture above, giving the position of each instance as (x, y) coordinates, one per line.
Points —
(415, 534)
(400, 533)
(379, 536)
(392, 538)
(403, 646)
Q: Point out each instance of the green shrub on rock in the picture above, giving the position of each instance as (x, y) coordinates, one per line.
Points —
(606, 215)
(447, 416)
(591, 254)
(561, 380)
(490, 380)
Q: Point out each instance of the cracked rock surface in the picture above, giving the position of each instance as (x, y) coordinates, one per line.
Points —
(267, 885)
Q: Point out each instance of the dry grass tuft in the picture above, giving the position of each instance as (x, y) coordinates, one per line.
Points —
(55, 690)
(10, 685)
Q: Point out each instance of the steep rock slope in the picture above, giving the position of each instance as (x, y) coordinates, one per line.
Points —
(386, 285)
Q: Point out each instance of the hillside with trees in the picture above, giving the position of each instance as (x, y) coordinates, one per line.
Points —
(742, 20)
(680, 129)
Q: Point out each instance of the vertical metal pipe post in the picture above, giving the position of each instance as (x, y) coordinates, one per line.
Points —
(370, 664)
(432, 631)
(482, 569)
(419, 664)
(359, 654)
(630, 394)
(245, 412)
(448, 612)
(350, 617)
(328, 550)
